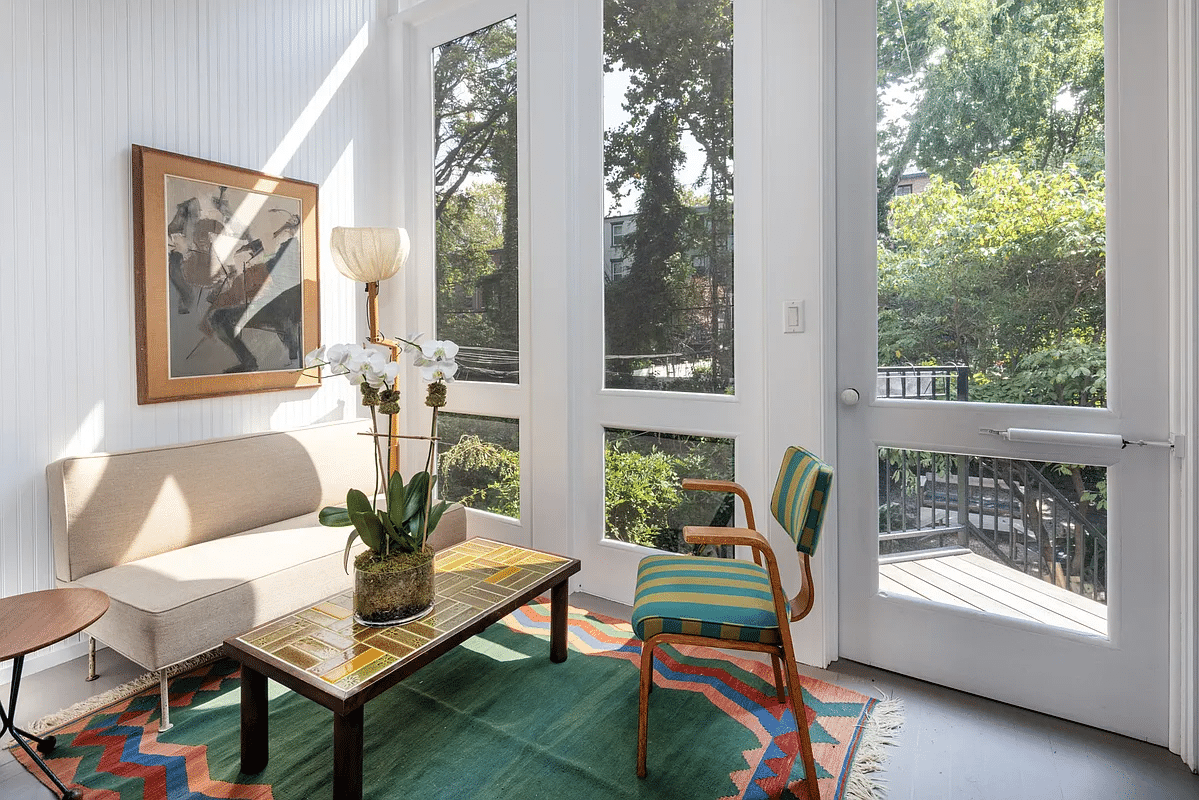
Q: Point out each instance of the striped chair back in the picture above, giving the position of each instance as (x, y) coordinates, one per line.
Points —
(801, 496)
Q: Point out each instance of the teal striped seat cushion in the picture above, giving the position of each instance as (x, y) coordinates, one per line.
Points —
(720, 598)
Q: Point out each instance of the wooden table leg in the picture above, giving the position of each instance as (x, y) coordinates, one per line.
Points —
(254, 746)
(558, 609)
(347, 755)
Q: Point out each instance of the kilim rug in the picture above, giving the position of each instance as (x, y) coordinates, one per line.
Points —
(494, 718)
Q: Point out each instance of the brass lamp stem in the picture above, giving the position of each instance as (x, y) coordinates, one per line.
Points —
(372, 322)
(372, 310)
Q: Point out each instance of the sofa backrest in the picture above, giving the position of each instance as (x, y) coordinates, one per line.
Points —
(112, 508)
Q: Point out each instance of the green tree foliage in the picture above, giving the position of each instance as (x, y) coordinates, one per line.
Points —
(482, 475)
(1006, 275)
(475, 183)
(643, 474)
(989, 78)
(640, 490)
(641, 307)
(469, 231)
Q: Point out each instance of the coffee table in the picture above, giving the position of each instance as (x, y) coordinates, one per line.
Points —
(29, 622)
(321, 653)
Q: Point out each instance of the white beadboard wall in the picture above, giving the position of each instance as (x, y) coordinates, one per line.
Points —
(292, 87)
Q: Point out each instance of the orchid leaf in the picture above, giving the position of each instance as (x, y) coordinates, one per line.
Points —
(418, 490)
(349, 544)
(334, 517)
(356, 501)
(369, 528)
(435, 515)
(389, 527)
(397, 498)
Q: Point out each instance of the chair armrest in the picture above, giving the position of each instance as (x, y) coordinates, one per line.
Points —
(745, 537)
(709, 485)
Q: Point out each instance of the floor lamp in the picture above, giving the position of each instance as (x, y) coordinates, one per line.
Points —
(371, 255)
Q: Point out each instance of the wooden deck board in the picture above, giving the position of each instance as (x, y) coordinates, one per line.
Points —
(971, 581)
(1059, 602)
(963, 591)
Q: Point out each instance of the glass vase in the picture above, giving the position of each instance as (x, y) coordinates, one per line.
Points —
(393, 590)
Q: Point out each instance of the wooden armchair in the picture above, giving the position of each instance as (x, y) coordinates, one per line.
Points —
(730, 603)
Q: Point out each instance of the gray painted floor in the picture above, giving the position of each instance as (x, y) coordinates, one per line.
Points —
(953, 746)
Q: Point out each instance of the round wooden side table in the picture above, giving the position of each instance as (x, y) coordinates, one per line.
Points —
(29, 622)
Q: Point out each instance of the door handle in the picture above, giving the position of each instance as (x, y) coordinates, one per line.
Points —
(850, 397)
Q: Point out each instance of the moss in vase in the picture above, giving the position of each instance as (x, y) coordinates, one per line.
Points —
(368, 562)
(392, 589)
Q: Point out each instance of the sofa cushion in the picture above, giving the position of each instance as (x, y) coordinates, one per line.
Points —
(123, 507)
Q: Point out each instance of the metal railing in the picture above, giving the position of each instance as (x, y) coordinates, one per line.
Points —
(937, 504)
(944, 382)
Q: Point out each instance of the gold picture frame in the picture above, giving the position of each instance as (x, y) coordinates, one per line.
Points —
(225, 278)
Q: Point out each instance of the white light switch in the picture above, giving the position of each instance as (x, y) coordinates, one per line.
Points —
(793, 316)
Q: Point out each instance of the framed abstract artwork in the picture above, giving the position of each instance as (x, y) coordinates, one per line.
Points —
(225, 278)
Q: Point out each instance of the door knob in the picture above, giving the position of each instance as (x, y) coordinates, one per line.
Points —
(849, 397)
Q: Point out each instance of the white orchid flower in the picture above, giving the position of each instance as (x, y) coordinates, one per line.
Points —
(351, 361)
(439, 371)
(439, 350)
(316, 358)
(411, 342)
(336, 354)
(381, 374)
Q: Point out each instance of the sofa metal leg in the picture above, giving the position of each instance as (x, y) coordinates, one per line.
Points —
(91, 658)
(164, 702)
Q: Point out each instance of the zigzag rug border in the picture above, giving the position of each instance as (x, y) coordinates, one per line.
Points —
(116, 694)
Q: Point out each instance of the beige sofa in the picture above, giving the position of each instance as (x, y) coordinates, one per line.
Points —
(198, 542)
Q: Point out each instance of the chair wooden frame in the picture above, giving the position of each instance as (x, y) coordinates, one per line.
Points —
(782, 655)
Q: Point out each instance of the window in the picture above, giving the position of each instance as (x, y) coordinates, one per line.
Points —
(643, 501)
(617, 234)
(995, 262)
(478, 462)
(475, 196)
(668, 143)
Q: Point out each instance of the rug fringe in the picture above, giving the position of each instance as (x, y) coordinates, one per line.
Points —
(125, 690)
(879, 731)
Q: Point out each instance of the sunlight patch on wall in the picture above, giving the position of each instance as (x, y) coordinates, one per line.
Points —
(316, 106)
(88, 436)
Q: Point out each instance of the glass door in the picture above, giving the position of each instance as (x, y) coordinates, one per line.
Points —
(997, 534)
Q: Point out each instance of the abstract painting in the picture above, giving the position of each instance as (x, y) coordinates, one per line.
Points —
(226, 278)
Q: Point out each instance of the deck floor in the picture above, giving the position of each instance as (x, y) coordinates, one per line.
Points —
(971, 581)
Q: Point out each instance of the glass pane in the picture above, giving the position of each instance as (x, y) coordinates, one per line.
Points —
(644, 502)
(475, 192)
(1003, 536)
(478, 462)
(991, 198)
(668, 229)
